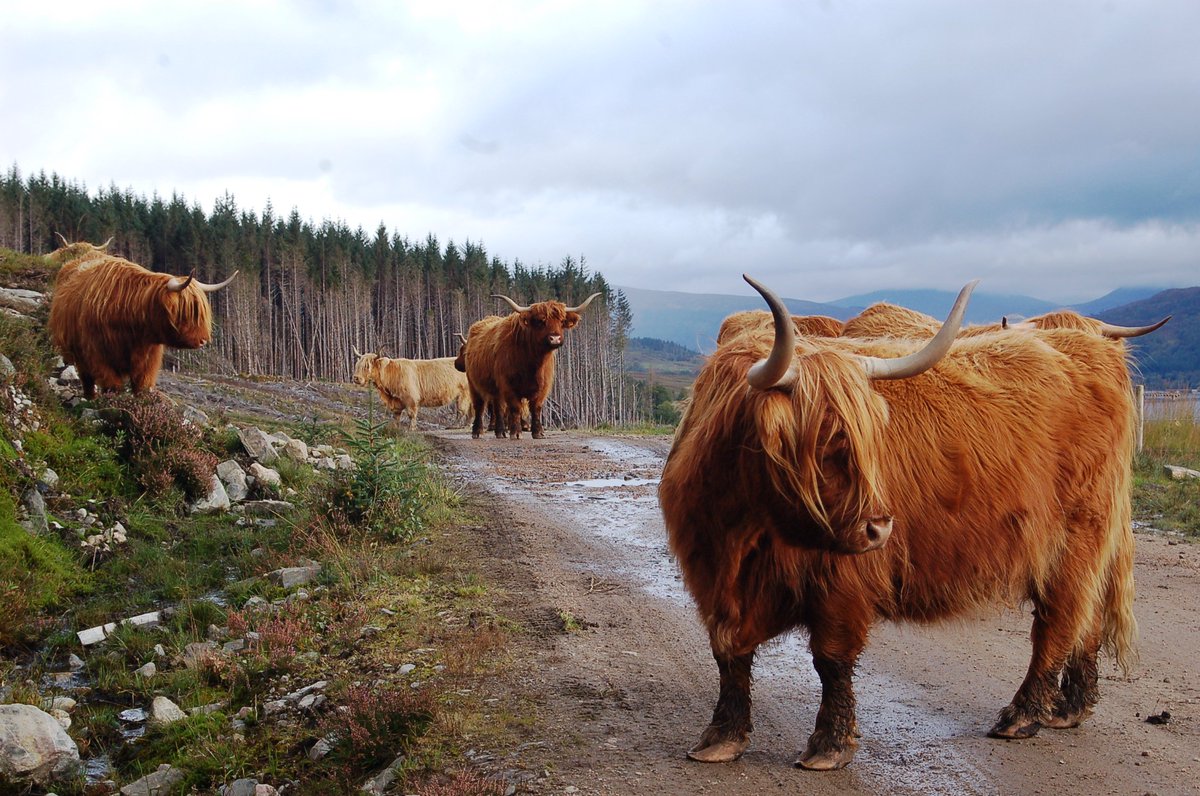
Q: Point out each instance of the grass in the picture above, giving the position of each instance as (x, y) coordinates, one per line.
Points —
(395, 589)
(1171, 439)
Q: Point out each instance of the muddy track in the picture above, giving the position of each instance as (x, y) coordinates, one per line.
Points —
(574, 535)
(570, 531)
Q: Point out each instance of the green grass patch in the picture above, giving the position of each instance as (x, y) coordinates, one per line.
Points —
(1158, 500)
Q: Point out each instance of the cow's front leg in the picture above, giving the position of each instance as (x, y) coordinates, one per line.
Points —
(833, 743)
(728, 736)
(535, 420)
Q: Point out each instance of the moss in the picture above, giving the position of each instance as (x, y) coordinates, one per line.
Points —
(36, 574)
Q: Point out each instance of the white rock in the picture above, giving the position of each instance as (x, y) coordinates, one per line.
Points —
(258, 444)
(163, 712)
(296, 450)
(147, 671)
(161, 782)
(234, 478)
(69, 374)
(266, 475)
(35, 747)
(217, 500)
(1181, 473)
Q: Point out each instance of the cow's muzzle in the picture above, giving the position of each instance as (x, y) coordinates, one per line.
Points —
(554, 340)
(876, 532)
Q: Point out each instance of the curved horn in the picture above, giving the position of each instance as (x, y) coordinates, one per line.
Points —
(921, 361)
(105, 244)
(583, 306)
(178, 283)
(60, 237)
(357, 353)
(776, 368)
(516, 307)
(1109, 330)
(461, 336)
(207, 288)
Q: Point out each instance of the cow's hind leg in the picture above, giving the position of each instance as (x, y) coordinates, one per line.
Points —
(89, 385)
(1060, 618)
(1080, 688)
(728, 735)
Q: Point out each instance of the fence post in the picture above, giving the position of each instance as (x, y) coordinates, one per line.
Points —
(1141, 415)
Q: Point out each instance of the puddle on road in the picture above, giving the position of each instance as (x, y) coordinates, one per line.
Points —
(608, 483)
(906, 746)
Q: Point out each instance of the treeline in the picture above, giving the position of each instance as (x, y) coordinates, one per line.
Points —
(664, 349)
(307, 294)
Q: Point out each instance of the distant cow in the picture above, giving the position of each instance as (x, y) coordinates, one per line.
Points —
(512, 359)
(1069, 319)
(825, 484)
(761, 321)
(405, 385)
(112, 318)
(883, 319)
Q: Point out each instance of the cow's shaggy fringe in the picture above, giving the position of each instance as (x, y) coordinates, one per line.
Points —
(1007, 468)
(112, 318)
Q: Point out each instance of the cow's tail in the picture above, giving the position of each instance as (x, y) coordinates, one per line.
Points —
(1120, 625)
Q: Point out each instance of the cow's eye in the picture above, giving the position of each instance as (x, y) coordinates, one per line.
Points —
(538, 322)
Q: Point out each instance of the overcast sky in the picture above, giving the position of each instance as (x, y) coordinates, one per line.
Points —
(828, 148)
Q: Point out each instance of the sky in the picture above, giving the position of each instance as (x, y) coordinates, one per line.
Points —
(1048, 147)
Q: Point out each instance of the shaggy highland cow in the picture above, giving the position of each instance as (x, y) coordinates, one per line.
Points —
(112, 318)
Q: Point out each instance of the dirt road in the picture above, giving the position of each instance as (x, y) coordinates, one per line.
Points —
(573, 532)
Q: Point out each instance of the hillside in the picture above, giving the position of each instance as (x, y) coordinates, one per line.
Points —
(1170, 357)
(1167, 359)
(662, 362)
(692, 319)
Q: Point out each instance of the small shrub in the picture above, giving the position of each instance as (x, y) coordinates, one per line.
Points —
(159, 447)
(461, 783)
(378, 722)
(384, 494)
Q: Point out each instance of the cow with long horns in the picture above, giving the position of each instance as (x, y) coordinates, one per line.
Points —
(511, 360)
(112, 318)
(825, 484)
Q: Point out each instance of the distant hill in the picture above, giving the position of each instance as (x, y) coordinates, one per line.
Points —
(1170, 357)
(1117, 298)
(692, 319)
(662, 362)
(984, 307)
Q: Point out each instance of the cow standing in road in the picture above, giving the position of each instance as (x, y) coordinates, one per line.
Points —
(511, 359)
(826, 484)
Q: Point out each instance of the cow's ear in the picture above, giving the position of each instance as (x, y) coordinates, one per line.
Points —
(572, 320)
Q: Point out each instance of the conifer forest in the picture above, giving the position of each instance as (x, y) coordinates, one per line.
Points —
(308, 293)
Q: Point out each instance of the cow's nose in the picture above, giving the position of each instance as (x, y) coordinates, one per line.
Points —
(877, 531)
(556, 339)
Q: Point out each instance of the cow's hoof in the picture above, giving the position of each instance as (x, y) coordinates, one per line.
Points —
(1065, 721)
(719, 752)
(1012, 731)
(539, 435)
(827, 760)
